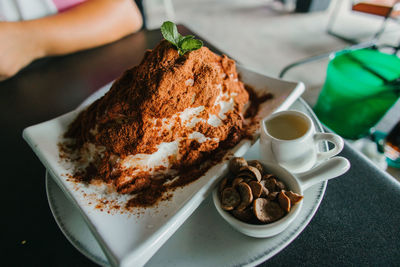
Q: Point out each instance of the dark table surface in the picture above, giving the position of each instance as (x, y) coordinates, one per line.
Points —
(358, 222)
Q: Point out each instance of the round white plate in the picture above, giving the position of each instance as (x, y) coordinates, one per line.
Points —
(205, 239)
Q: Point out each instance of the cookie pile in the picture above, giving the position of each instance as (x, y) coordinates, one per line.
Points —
(253, 195)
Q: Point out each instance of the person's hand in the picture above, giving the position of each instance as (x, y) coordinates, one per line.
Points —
(18, 47)
(87, 25)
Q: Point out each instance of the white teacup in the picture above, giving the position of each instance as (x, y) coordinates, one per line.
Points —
(288, 138)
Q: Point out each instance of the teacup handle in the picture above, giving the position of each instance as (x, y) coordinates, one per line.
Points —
(329, 169)
(334, 139)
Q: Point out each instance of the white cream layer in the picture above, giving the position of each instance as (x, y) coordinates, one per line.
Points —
(166, 151)
(188, 118)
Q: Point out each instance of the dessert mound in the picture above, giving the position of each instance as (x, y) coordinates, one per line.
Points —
(168, 114)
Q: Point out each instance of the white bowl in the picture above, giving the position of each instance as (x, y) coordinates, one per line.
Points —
(297, 183)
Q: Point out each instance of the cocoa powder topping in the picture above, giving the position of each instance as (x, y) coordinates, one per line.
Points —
(169, 116)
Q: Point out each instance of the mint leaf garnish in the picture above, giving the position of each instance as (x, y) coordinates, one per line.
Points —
(183, 44)
(170, 32)
(183, 38)
(190, 45)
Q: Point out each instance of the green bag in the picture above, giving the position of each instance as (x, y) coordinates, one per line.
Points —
(360, 87)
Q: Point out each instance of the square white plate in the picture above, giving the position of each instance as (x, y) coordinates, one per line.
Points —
(128, 239)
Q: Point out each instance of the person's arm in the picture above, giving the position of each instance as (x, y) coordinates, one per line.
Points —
(90, 24)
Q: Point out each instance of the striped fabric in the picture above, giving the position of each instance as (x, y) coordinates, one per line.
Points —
(15, 10)
(63, 5)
